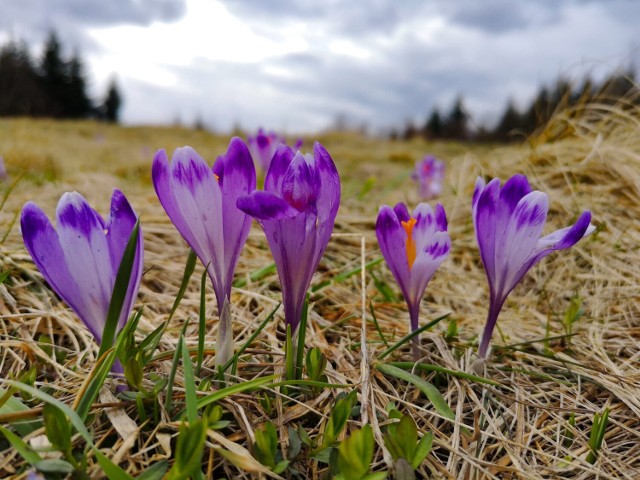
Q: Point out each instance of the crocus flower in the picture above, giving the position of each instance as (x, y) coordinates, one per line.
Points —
(413, 246)
(297, 211)
(201, 203)
(3, 170)
(429, 174)
(81, 256)
(508, 221)
(263, 146)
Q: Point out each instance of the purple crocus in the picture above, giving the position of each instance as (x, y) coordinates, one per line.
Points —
(429, 174)
(81, 256)
(264, 145)
(413, 246)
(508, 221)
(201, 203)
(297, 211)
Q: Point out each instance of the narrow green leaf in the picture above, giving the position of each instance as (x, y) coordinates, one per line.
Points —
(289, 356)
(189, 449)
(253, 336)
(25, 451)
(54, 466)
(408, 337)
(235, 388)
(257, 275)
(123, 277)
(10, 404)
(57, 427)
(202, 319)
(174, 369)
(429, 367)
(341, 277)
(377, 325)
(155, 471)
(302, 334)
(102, 369)
(432, 393)
(191, 397)
(151, 342)
(422, 450)
(105, 463)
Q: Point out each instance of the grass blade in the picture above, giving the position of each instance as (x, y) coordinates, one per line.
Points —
(250, 340)
(408, 337)
(432, 393)
(302, 335)
(257, 275)
(202, 320)
(375, 322)
(25, 451)
(191, 397)
(429, 367)
(151, 342)
(174, 369)
(235, 388)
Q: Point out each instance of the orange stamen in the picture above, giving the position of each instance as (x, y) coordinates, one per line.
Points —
(410, 245)
(217, 177)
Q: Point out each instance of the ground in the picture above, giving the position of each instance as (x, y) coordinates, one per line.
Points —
(548, 380)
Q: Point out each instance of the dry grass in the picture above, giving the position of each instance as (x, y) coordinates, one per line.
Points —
(516, 430)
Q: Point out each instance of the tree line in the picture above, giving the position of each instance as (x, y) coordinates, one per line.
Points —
(50, 86)
(516, 124)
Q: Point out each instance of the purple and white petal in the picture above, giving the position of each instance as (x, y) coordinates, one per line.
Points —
(86, 251)
(392, 240)
(277, 169)
(266, 206)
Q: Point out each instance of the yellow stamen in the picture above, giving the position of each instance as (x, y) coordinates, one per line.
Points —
(217, 177)
(410, 246)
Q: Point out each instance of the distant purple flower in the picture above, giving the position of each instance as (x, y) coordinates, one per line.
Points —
(264, 145)
(413, 246)
(3, 170)
(508, 221)
(81, 256)
(201, 203)
(297, 211)
(429, 174)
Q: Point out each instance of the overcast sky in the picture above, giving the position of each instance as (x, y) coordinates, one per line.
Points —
(296, 65)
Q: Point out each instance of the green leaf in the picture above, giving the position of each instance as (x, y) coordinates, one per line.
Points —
(355, 454)
(174, 369)
(253, 336)
(432, 393)
(155, 471)
(202, 320)
(54, 466)
(338, 419)
(105, 463)
(150, 343)
(189, 449)
(25, 451)
(266, 445)
(57, 428)
(429, 367)
(10, 404)
(233, 389)
(408, 337)
(422, 450)
(302, 332)
(123, 277)
(191, 397)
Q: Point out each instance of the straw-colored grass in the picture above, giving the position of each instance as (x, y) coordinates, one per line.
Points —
(516, 430)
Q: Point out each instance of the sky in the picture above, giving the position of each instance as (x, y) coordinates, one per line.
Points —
(296, 66)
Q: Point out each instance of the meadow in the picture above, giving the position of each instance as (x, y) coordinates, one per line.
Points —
(566, 352)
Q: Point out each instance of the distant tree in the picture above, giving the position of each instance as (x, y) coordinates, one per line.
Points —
(53, 74)
(456, 125)
(20, 90)
(76, 102)
(434, 126)
(409, 131)
(511, 120)
(110, 108)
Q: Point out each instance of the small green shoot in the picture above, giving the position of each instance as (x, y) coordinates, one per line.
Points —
(355, 455)
(401, 439)
(431, 392)
(266, 450)
(572, 314)
(202, 320)
(598, 430)
(189, 450)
